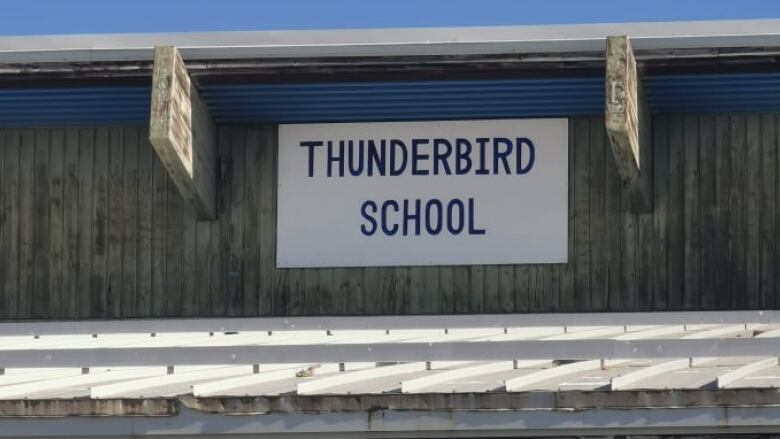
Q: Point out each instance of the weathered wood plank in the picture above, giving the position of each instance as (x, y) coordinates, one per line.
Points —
(41, 245)
(129, 213)
(56, 226)
(522, 288)
(768, 204)
(582, 240)
(614, 238)
(11, 234)
(146, 249)
(26, 224)
(70, 220)
(675, 232)
(174, 225)
(4, 217)
(708, 212)
(660, 211)
(273, 294)
(159, 220)
(691, 293)
(3, 226)
(236, 223)
(183, 132)
(738, 230)
(753, 207)
(491, 294)
(446, 289)
(597, 298)
(723, 276)
(99, 222)
(627, 120)
(567, 281)
(255, 270)
(115, 223)
(477, 290)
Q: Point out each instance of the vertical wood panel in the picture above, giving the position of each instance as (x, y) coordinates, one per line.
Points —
(41, 246)
(723, 275)
(4, 216)
(690, 183)
(768, 206)
(71, 204)
(737, 233)
(99, 220)
(115, 223)
(11, 236)
(707, 212)
(56, 229)
(582, 241)
(145, 256)
(675, 232)
(597, 298)
(753, 173)
(129, 225)
(26, 225)
(256, 285)
(91, 226)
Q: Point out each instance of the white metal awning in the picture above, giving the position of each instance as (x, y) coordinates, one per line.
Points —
(442, 364)
(359, 355)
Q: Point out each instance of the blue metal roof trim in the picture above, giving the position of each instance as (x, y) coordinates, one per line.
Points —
(74, 106)
(713, 93)
(387, 101)
(407, 100)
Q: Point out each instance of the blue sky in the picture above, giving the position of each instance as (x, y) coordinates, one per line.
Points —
(25, 17)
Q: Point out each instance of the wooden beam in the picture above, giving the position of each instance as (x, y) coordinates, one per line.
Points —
(628, 122)
(183, 132)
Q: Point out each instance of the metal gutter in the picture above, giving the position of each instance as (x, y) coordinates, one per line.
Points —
(549, 39)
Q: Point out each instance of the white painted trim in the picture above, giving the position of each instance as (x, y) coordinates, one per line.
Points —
(629, 380)
(549, 39)
(318, 386)
(241, 324)
(727, 380)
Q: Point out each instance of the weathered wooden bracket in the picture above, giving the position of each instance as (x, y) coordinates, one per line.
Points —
(628, 122)
(183, 133)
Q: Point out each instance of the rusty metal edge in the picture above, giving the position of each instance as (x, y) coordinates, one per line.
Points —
(563, 400)
(368, 403)
(60, 408)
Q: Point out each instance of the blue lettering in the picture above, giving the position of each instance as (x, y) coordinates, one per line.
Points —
(441, 157)
(311, 145)
(473, 230)
(376, 158)
(502, 156)
(482, 170)
(417, 156)
(356, 169)
(396, 167)
(462, 156)
(364, 210)
(385, 206)
(531, 155)
(336, 158)
(431, 227)
(451, 216)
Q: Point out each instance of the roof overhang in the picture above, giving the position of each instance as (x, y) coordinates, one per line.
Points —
(650, 40)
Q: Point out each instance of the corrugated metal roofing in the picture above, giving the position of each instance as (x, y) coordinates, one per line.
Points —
(382, 101)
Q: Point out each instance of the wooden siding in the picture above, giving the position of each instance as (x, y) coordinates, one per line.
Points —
(91, 226)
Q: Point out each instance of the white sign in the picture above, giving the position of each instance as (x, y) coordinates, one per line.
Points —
(423, 193)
